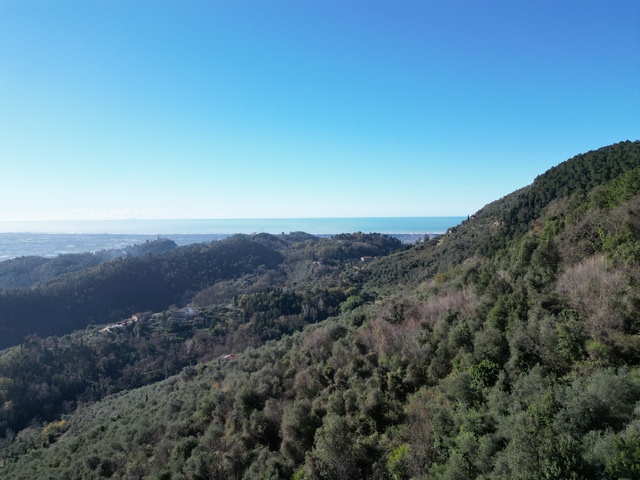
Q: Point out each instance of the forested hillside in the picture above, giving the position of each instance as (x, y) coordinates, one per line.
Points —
(24, 272)
(507, 348)
(561, 192)
(155, 276)
(116, 289)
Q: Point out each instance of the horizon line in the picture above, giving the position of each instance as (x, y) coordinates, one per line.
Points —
(223, 219)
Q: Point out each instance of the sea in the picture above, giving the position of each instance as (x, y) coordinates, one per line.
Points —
(52, 238)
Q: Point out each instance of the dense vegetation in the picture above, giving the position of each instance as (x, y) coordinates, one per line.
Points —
(116, 289)
(44, 378)
(508, 348)
(24, 272)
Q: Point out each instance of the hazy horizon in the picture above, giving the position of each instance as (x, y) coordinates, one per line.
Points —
(329, 225)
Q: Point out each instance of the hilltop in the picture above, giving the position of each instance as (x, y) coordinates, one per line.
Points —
(26, 271)
(507, 348)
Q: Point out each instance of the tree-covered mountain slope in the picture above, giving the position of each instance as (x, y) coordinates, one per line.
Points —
(152, 277)
(505, 221)
(497, 351)
(119, 288)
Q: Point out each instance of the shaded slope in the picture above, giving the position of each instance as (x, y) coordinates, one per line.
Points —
(119, 288)
(24, 272)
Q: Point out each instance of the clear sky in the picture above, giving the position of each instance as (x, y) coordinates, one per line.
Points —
(116, 109)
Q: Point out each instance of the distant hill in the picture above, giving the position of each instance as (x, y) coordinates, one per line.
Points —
(157, 274)
(116, 289)
(24, 272)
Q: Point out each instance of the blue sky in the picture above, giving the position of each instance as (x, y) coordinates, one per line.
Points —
(275, 109)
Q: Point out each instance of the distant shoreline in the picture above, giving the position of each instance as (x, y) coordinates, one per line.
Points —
(50, 239)
(315, 226)
(49, 245)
